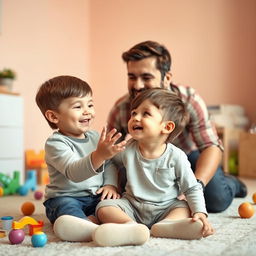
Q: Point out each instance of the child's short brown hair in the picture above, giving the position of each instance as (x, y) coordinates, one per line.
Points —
(52, 92)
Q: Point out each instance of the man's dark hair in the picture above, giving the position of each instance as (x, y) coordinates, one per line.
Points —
(150, 49)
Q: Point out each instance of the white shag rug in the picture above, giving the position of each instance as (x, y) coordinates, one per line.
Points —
(234, 236)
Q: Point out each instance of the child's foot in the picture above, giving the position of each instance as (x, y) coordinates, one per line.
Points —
(121, 234)
(179, 229)
(73, 229)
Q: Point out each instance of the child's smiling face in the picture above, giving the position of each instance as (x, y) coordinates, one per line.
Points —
(75, 115)
(146, 122)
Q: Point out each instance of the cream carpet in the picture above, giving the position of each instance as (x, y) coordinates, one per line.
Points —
(234, 236)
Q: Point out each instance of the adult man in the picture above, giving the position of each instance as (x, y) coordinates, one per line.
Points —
(148, 66)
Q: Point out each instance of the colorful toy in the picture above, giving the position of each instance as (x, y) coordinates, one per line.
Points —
(2, 233)
(34, 225)
(33, 159)
(27, 208)
(246, 210)
(39, 239)
(254, 197)
(36, 161)
(38, 195)
(16, 236)
(7, 222)
(30, 183)
(10, 186)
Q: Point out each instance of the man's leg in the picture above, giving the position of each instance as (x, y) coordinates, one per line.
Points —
(221, 189)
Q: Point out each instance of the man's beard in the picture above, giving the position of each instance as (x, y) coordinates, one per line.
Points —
(133, 93)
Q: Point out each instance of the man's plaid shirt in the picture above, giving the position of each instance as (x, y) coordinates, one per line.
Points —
(199, 132)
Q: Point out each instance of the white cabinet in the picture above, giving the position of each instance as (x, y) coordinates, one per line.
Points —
(11, 135)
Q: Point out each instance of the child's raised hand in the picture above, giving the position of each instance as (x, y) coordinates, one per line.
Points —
(107, 148)
(106, 145)
(207, 227)
(108, 192)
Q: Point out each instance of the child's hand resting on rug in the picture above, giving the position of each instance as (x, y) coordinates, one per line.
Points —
(207, 227)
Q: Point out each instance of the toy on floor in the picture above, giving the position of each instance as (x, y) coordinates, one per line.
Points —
(10, 185)
(254, 197)
(7, 222)
(2, 233)
(16, 236)
(27, 208)
(38, 195)
(39, 239)
(34, 225)
(246, 210)
(30, 183)
(35, 160)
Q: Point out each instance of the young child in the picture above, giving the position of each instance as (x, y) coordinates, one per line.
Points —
(76, 158)
(157, 173)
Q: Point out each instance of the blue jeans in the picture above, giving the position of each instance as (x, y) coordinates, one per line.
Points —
(221, 189)
(80, 207)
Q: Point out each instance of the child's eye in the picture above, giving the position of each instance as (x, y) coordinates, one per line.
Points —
(77, 106)
(146, 113)
(133, 113)
(90, 105)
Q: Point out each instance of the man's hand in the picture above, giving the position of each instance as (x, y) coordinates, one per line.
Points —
(207, 227)
(108, 192)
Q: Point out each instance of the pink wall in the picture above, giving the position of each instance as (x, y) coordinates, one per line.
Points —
(41, 39)
(212, 44)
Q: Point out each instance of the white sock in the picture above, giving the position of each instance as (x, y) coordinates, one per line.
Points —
(179, 229)
(74, 229)
(112, 234)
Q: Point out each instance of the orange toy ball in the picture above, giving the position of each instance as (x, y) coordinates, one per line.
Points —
(246, 210)
(254, 197)
(28, 208)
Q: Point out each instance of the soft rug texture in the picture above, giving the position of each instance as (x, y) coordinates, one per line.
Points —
(234, 236)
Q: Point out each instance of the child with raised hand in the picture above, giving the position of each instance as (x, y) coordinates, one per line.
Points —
(76, 158)
(157, 173)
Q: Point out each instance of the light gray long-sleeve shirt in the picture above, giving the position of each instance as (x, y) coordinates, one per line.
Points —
(159, 181)
(70, 168)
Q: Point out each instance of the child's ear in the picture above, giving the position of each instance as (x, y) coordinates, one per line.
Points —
(169, 127)
(51, 116)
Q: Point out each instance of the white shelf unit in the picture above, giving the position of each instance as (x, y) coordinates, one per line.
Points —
(11, 135)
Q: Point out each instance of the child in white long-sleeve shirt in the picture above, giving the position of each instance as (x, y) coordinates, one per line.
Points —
(76, 158)
(157, 173)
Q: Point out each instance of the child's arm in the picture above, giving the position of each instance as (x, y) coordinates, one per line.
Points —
(207, 227)
(107, 148)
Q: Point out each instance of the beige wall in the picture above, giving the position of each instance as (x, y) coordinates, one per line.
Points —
(41, 39)
(213, 46)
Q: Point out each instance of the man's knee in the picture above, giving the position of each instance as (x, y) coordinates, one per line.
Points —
(217, 203)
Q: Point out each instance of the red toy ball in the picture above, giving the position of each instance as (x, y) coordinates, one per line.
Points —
(38, 195)
(28, 208)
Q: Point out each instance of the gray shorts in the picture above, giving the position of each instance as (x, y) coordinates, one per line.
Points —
(141, 212)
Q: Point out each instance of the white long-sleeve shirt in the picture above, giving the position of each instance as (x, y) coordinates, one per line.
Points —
(70, 168)
(160, 180)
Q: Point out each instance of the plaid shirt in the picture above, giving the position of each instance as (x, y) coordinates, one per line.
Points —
(199, 133)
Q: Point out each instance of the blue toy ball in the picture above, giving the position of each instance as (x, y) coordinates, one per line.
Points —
(39, 239)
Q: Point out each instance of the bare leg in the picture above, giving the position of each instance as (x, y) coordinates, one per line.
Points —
(119, 229)
(178, 224)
